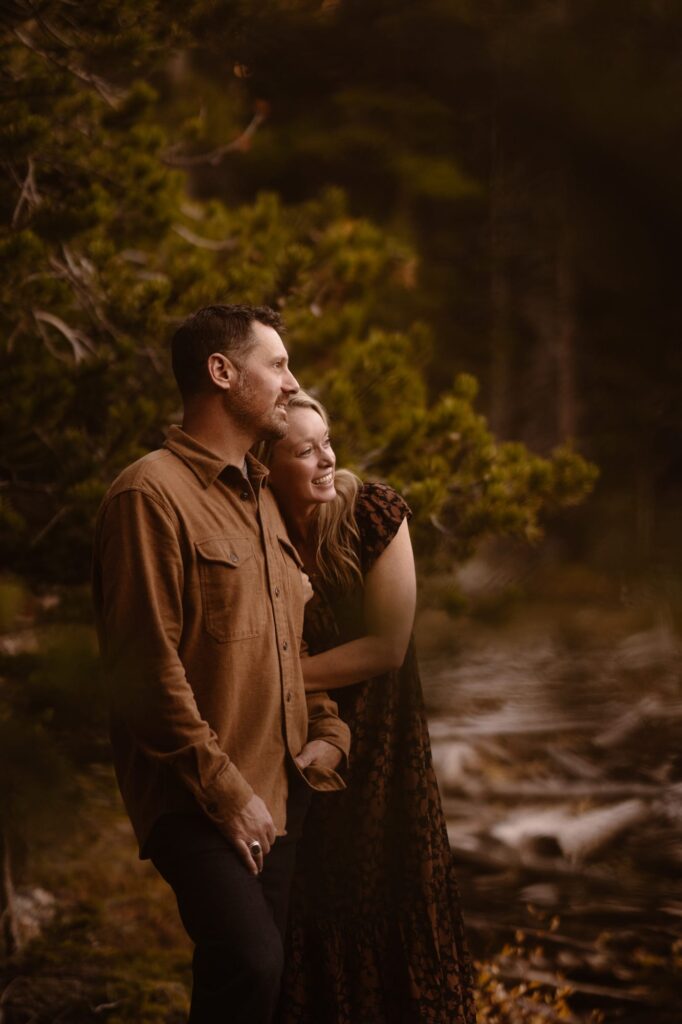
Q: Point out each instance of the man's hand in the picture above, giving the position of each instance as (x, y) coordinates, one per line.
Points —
(252, 822)
(319, 752)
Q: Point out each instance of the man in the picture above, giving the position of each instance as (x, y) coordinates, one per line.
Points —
(199, 605)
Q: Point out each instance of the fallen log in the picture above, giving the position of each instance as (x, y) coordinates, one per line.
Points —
(576, 836)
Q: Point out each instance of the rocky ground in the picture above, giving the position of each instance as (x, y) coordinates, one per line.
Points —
(557, 734)
(556, 730)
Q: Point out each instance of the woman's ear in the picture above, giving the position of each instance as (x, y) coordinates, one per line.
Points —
(221, 370)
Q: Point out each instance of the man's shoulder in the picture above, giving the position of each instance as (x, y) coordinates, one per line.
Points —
(153, 474)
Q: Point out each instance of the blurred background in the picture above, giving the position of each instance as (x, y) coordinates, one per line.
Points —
(469, 217)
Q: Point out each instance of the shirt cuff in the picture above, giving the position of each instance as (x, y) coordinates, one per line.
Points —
(226, 796)
(334, 731)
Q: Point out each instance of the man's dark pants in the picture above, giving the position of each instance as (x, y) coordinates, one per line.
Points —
(236, 921)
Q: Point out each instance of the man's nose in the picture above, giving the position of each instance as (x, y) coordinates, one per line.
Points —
(290, 384)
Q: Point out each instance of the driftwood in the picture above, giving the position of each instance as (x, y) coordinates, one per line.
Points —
(514, 861)
(574, 764)
(649, 712)
(577, 836)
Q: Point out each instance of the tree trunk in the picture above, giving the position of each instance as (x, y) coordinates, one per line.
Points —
(500, 297)
(644, 513)
(566, 324)
(8, 918)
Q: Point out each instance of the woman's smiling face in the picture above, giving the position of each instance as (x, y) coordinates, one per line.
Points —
(303, 463)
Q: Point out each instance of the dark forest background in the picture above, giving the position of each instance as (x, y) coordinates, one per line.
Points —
(469, 215)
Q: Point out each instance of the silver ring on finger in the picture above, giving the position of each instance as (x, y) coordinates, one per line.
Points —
(255, 848)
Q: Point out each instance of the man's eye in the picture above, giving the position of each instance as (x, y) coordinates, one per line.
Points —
(306, 451)
(327, 442)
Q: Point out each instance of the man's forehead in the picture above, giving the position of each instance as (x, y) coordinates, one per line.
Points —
(266, 341)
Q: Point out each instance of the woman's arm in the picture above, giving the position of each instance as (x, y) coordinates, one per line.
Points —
(390, 596)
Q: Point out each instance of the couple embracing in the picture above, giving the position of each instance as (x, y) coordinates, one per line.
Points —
(302, 835)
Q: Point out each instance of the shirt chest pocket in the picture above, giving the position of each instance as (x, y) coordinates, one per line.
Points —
(232, 588)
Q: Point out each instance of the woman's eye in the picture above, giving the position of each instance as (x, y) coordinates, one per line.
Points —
(327, 443)
(306, 451)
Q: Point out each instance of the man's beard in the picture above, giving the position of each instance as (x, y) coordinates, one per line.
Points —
(243, 405)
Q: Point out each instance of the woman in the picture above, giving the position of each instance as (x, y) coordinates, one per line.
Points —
(375, 933)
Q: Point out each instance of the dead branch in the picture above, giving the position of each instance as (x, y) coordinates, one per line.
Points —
(81, 345)
(80, 274)
(49, 28)
(242, 143)
(109, 93)
(575, 764)
(29, 195)
(56, 518)
(213, 244)
(16, 331)
(155, 359)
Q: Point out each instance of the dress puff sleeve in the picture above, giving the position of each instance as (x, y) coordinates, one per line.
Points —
(379, 512)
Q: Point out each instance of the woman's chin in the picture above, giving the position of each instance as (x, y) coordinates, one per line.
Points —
(324, 494)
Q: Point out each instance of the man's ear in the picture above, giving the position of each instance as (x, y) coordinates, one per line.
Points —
(221, 370)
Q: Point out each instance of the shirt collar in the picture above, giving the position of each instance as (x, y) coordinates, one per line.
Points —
(205, 464)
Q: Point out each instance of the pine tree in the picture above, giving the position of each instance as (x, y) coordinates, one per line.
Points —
(104, 250)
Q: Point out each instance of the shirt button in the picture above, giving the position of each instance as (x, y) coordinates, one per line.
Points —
(244, 495)
(285, 645)
(276, 591)
(234, 558)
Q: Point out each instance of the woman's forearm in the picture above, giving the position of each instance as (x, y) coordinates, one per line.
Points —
(389, 601)
(352, 662)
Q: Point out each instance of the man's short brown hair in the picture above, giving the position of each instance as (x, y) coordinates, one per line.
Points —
(219, 328)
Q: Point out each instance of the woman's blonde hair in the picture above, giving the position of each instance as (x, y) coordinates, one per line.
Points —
(337, 535)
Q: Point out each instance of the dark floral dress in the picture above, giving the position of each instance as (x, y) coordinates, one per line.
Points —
(375, 931)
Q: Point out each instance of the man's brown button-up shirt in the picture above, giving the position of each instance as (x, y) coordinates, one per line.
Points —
(199, 609)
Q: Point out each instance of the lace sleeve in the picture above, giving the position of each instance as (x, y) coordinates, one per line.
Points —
(379, 513)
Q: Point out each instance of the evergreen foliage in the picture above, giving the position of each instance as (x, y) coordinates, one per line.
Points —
(527, 150)
(104, 250)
